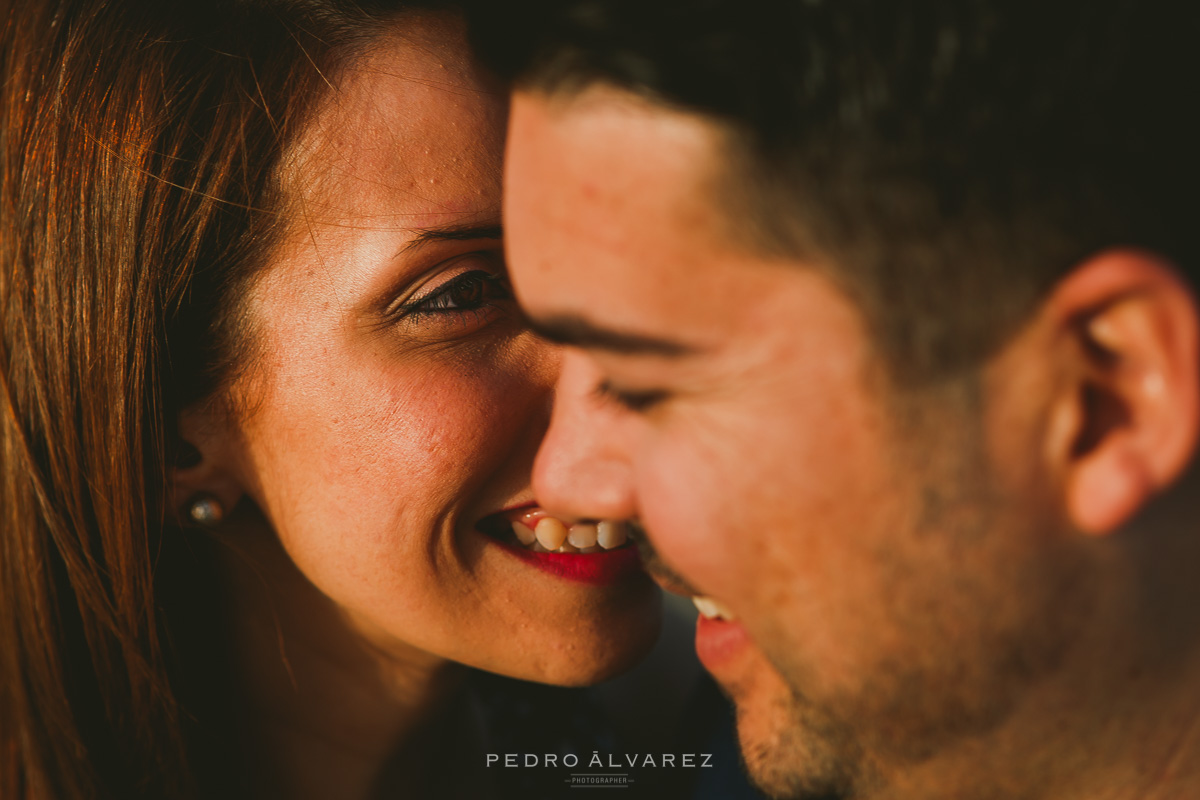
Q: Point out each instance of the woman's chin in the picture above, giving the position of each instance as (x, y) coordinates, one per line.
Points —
(583, 615)
(584, 656)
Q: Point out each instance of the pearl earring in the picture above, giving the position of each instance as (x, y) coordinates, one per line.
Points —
(206, 511)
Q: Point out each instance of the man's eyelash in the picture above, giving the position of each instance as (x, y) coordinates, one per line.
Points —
(636, 401)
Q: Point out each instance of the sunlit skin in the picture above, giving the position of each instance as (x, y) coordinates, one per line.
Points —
(394, 400)
(919, 601)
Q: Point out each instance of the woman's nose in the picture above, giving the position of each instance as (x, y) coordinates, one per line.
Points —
(582, 469)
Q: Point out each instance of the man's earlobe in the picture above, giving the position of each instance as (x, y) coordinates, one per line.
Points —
(1134, 400)
(202, 488)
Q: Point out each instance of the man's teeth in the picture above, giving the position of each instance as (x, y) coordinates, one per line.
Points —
(550, 535)
(713, 609)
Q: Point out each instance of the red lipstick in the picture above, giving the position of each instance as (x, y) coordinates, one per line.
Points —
(595, 566)
(603, 569)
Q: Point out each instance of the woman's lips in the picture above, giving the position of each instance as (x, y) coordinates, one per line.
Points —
(601, 568)
(598, 553)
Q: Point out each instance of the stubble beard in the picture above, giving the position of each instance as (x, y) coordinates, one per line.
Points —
(906, 712)
(804, 756)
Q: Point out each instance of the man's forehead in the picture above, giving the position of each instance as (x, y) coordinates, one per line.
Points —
(607, 175)
(606, 145)
(613, 222)
(603, 100)
(603, 206)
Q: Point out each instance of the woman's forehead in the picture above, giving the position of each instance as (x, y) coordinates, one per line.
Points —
(407, 136)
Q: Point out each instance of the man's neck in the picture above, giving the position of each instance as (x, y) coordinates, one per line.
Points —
(1119, 719)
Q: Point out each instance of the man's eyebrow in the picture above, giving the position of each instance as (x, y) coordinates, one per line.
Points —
(452, 233)
(576, 331)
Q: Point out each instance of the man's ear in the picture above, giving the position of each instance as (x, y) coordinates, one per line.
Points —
(205, 468)
(1131, 411)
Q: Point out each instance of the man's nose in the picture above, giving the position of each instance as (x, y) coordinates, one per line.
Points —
(582, 469)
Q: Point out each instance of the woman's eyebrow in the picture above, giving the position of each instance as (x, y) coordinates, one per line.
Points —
(451, 233)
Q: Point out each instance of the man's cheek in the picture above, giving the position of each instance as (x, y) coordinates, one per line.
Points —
(686, 515)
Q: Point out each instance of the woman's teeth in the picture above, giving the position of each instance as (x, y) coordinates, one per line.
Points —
(713, 609)
(525, 534)
(582, 536)
(550, 535)
(611, 534)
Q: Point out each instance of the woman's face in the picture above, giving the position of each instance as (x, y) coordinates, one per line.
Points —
(396, 401)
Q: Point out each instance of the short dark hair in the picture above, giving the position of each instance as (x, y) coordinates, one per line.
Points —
(950, 159)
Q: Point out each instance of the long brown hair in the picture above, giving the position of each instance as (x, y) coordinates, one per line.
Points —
(139, 150)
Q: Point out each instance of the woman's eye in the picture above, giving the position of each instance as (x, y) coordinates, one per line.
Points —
(467, 292)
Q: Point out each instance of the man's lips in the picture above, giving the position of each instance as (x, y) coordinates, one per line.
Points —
(720, 640)
(719, 643)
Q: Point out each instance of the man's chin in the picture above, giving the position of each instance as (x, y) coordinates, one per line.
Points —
(788, 751)
(782, 762)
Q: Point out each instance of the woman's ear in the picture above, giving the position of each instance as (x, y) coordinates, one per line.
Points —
(1132, 405)
(203, 486)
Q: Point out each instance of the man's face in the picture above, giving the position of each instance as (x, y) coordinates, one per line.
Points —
(887, 600)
